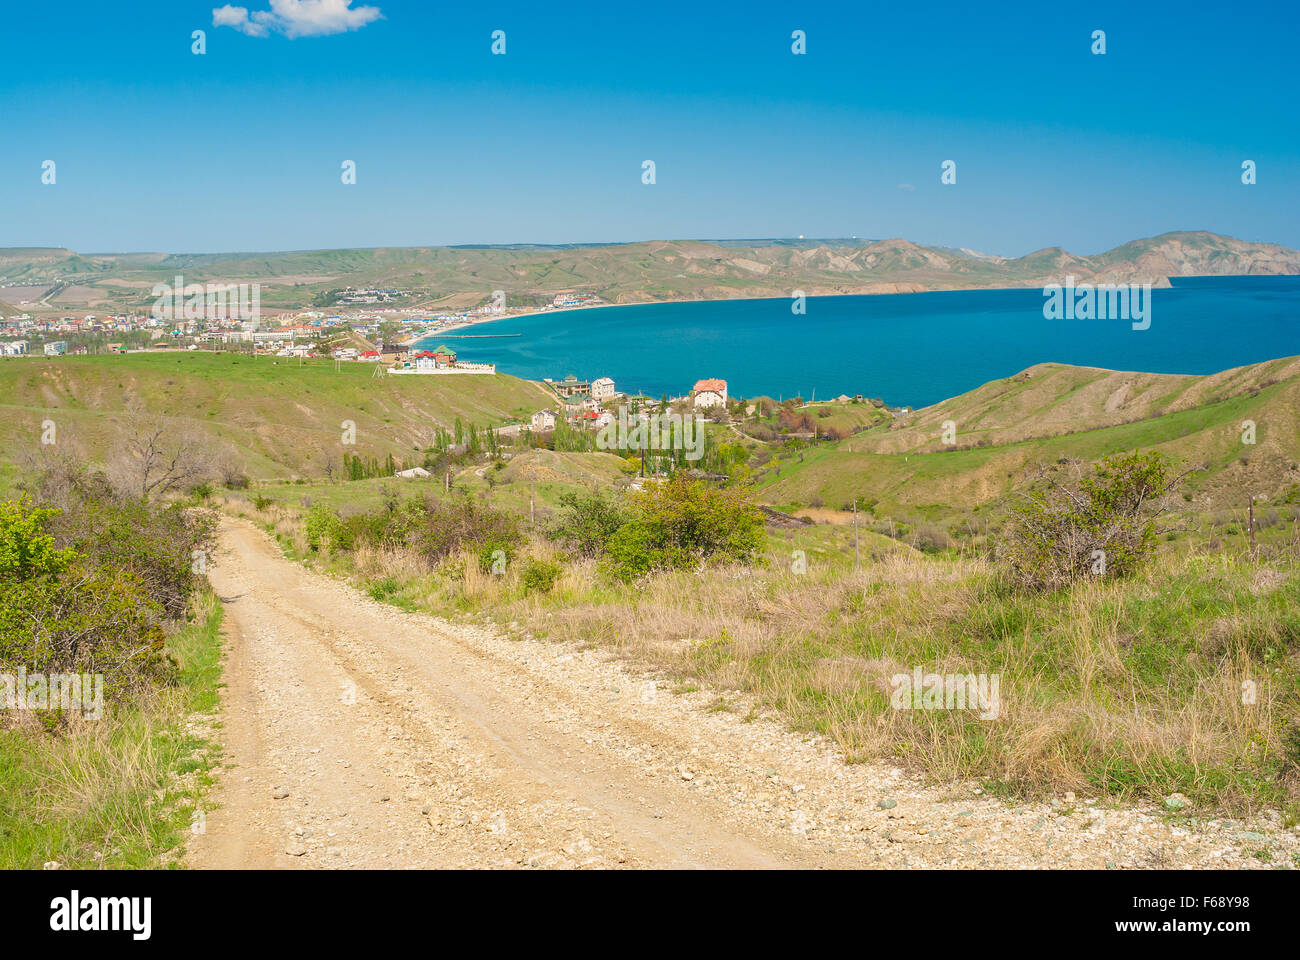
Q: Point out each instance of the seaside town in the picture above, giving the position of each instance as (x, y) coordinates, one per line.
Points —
(389, 338)
(379, 333)
(367, 328)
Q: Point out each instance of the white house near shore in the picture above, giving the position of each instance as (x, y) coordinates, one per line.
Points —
(602, 388)
(543, 420)
(710, 393)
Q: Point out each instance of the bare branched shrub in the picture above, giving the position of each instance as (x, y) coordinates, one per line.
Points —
(154, 460)
(1101, 524)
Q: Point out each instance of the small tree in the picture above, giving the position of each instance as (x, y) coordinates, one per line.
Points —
(681, 522)
(153, 461)
(587, 521)
(1100, 525)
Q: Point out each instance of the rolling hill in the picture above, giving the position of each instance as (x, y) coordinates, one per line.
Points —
(1052, 413)
(277, 417)
(623, 273)
(283, 420)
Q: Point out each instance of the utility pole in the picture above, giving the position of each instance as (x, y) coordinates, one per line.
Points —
(857, 558)
(1254, 547)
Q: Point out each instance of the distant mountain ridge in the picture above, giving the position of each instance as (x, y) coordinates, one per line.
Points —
(648, 271)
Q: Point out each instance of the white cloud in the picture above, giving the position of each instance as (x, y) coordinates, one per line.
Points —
(237, 17)
(297, 18)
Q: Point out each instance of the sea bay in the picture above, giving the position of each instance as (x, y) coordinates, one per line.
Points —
(908, 349)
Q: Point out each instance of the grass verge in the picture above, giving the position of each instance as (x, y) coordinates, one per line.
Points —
(121, 792)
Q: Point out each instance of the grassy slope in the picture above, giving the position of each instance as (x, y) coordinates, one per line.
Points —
(280, 417)
(1195, 419)
(119, 793)
(552, 475)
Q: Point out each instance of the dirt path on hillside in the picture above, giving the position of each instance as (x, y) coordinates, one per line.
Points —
(401, 740)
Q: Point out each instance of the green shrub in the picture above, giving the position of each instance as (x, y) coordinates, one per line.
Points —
(95, 619)
(87, 590)
(320, 526)
(682, 522)
(92, 582)
(27, 550)
(164, 546)
(1103, 524)
(383, 588)
(493, 549)
(587, 521)
(539, 576)
(434, 529)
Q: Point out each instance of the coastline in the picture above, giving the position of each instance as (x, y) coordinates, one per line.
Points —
(466, 324)
(1166, 283)
(867, 331)
(664, 303)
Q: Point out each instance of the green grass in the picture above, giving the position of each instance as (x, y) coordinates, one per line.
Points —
(275, 415)
(963, 478)
(119, 793)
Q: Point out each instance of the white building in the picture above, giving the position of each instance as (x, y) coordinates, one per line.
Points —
(710, 393)
(56, 348)
(602, 388)
(543, 420)
(13, 348)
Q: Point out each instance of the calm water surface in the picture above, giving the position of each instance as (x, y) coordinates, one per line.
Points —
(910, 349)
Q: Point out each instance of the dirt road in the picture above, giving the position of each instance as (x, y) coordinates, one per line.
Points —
(362, 736)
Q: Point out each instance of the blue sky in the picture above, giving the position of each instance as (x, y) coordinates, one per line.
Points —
(240, 149)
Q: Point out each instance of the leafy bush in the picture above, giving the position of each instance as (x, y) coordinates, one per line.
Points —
(27, 551)
(491, 550)
(160, 545)
(681, 522)
(320, 526)
(1102, 525)
(539, 575)
(587, 521)
(92, 589)
(435, 529)
(92, 619)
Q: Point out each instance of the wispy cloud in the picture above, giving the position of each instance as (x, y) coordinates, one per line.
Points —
(296, 18)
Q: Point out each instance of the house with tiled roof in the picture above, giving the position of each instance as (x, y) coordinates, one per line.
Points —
(709, 393)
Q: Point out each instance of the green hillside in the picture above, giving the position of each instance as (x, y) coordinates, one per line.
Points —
(1006, 429)
(278, 417)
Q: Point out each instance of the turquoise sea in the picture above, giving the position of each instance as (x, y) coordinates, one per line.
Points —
(909, 349)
